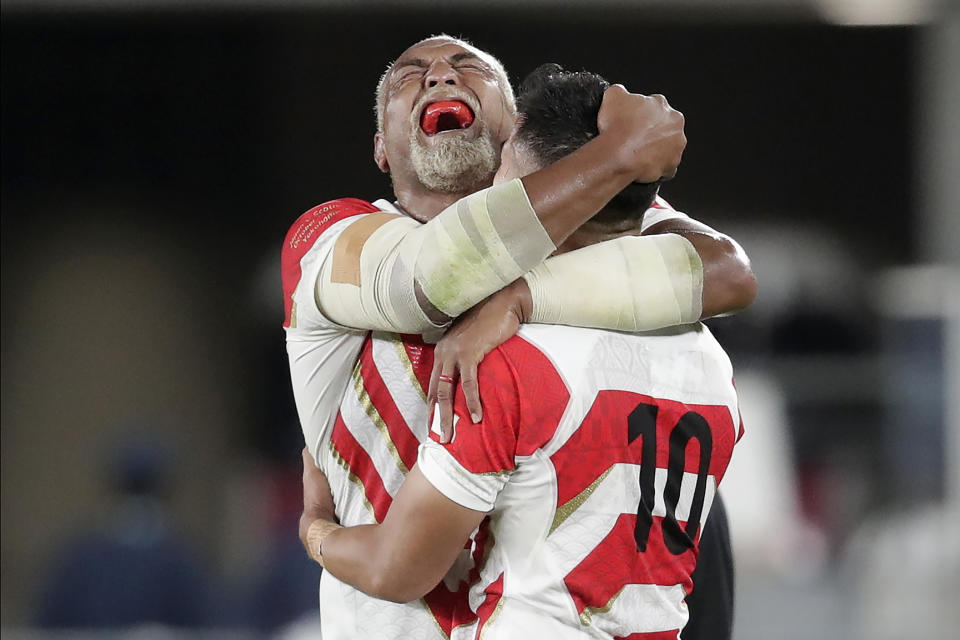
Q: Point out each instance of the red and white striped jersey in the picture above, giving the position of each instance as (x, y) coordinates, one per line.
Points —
(382, 421)
(597, 458)
(360, 397)
(362, 404)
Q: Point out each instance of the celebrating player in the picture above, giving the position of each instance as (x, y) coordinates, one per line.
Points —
(350, 266)
(596, 460)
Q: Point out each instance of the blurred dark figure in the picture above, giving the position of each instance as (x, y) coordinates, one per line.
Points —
(135, 572)
(711, 603)
(288, 588)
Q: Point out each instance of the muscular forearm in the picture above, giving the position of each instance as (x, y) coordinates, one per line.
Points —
(404, 556)
(569, 192)
(361, 557)
(628, 284)
(642, 283)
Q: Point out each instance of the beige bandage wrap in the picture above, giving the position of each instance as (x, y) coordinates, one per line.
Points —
(318, 530)
(354, 288)
(473, 248)
(477, 246)
(633, 283)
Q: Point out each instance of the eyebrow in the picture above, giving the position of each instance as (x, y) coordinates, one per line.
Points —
(410, 62)
(423, 64)
(466, 55)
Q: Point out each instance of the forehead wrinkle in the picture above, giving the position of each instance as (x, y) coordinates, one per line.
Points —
(420, 62)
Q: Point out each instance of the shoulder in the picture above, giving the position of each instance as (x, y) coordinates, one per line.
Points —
(313, 222)
(659, 211)
(305, 234)
(538, 391)
(564, 350)
(519, 364)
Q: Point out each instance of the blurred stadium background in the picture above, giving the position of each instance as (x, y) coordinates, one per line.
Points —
(155, 151)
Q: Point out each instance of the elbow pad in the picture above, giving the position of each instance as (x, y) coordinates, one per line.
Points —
(633, 283)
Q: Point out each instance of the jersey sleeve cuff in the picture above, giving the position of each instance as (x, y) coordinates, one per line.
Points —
(660, 211)
(449, 477)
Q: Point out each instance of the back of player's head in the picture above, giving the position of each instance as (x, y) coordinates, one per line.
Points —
(558, 115)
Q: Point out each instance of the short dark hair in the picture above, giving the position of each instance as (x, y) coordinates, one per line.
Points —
(558, 115)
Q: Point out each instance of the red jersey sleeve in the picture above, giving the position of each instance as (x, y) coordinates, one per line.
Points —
(523, 400)
(490, 445)
(304, 234)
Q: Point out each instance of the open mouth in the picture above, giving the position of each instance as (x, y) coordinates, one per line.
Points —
(447, 115)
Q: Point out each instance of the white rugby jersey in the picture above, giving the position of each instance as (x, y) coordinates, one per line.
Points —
(597, 458)
(361, 399)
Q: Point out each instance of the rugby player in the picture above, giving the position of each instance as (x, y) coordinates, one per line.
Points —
(349, 268)
(597, 458)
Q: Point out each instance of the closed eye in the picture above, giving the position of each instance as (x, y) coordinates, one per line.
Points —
(479, 68)
(413, 73)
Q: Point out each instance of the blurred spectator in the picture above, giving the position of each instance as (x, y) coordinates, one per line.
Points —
(136, 571)
(287, 590)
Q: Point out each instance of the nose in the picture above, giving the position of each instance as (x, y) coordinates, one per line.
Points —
(441, 73)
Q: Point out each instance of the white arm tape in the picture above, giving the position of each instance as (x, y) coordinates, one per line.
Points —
(477, 246)
(632, 283)
(473, 248)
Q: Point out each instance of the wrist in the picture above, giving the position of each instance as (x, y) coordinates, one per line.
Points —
(522, 299)
(618, 147)
(317, 532)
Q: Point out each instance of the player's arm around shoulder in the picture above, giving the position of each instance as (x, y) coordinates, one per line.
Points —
(405, 556)
(400, 559)
(443, 499)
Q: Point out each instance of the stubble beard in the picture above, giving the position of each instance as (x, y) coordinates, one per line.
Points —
(453, 164)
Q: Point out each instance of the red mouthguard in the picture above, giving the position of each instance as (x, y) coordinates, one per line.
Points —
(444, 116)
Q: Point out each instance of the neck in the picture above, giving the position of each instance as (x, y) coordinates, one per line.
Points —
(422, 204)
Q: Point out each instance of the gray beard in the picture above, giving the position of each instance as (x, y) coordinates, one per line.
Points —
(455, 165)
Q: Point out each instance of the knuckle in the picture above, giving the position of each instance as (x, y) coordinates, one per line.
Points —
(616, 89)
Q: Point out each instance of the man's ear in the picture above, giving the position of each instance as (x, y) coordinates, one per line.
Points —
(380, 154)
